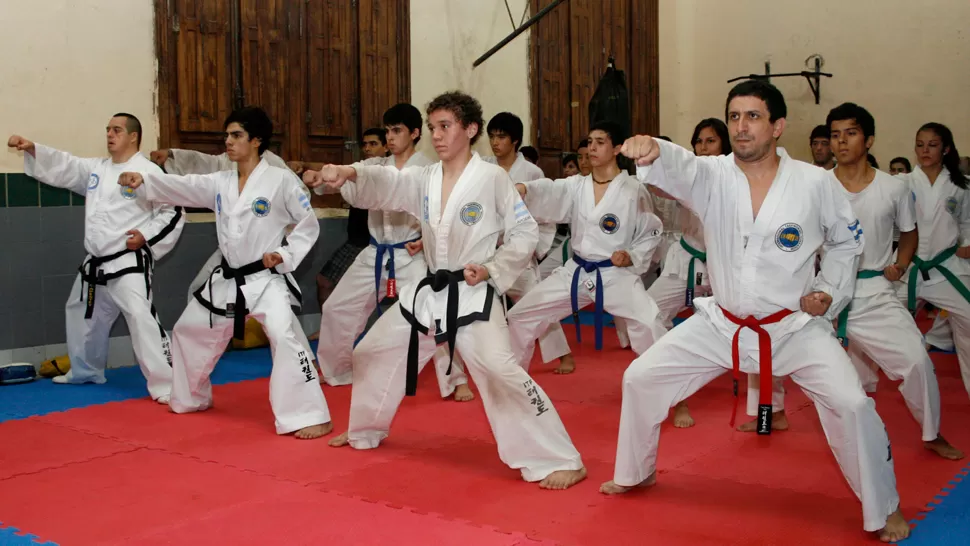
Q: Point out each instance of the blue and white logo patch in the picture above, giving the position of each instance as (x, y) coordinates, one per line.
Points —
(609, 223)
(218, 203)
(427, 214)
(856, 229)
(305, 201)
(789, 237)
(951, 205)
(93, 181)
(128, 192)
(914, 195)
(521, 212)
(471, 214)
(261, 206)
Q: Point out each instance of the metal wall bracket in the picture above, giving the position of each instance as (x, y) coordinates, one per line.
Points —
(814, 77)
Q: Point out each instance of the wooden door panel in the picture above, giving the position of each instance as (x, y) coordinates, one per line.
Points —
(380, 59)
(265, 59)
(203, 75)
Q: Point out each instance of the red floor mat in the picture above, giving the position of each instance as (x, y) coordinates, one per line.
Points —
(130, 472)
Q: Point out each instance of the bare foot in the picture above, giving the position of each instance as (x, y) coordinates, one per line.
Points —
(566, 365)
(896, 528)
(315, 335)
(779, 421)
(563, 479)
(682, 418)
(611, 488)
(943, 448)
(315, 431)
(463, 393)
(339, 441)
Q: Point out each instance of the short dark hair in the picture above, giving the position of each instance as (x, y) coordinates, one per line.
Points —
(530, 153)
(570, 158)
(508, 123)
(616, 131)
(378, 132)
(466, 109)
(405, 114)
(583, 144)
(665, 137)
(850, 110)
(254, 121)
(872, 160)
(904, 161)
(719, 128)
(132, 125)
(820, 131)
(762, 89)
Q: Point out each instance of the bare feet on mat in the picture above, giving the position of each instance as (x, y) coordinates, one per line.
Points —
(896, 528)
(682, 418)
(611, 488)
(779, 421)
(943, 448)
(313, 336)
(315, 431)
(340, 441)
(563, 479)
(463, 393)
(566, 365)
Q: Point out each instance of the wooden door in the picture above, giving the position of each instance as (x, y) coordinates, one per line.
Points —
(550, 88)
(265, 60)
(384, 57)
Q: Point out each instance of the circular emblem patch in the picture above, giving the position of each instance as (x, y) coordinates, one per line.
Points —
(471, 213)
(609, 223)
(128, 193)
(789, 237)
(93, 181)
(261, 206)
(951, 205)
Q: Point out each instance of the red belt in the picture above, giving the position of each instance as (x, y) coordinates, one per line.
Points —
(764, 345)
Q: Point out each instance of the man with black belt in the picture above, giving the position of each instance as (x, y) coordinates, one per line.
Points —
(254, 204)
(124, 234)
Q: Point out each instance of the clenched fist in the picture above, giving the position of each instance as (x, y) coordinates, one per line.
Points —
(475, 274)
(641, 148)
(272, 259)
(21, 144)
(332, 176)
(816, 303)
(159, 157)
(132, 180)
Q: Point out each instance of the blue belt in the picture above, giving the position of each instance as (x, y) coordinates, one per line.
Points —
(589, 267)
(379, 263)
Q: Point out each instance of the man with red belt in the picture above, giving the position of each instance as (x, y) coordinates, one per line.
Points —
(766, 216)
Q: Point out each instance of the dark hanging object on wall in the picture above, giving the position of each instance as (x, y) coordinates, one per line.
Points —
(611, 101)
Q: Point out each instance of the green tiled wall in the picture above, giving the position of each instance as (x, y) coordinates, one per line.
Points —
(20, 190)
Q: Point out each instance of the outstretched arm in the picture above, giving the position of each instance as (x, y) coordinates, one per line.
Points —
(194, 190)
(676, 171)
(519, 240)
(373, 187)
(550, 201)
(54, 167)
(840, 256)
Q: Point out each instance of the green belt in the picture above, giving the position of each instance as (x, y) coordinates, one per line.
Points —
(844, 315)
(565, 250)
(694, 256)
(925, 266)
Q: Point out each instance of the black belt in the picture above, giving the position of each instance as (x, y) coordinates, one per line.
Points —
(237, 311)
(438, 281)
(94, 276)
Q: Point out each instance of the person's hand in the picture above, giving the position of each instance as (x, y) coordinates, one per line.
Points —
(296, 166)
(272, 259)
(641, 148)
(521, 189)
(135, 239)
(964, 252)
(475, 274)
(816, 303)
(894, 272)
(131, 180)
(621, 258)
(415, 247)
(159, 157)
(21, 144)
(332, 176)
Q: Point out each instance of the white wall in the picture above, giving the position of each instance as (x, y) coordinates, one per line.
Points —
(446, 38)
(906, 62)
(67, 66)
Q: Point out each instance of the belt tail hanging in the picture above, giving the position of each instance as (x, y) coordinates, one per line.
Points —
(690, 283)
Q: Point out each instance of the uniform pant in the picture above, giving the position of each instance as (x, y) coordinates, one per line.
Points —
(549, 302)
(552, 342)
(294, 389)
(943, 296)
(941, 334)
(203, 276)
(344, 316)
(881, 328)
(527, 429)
(87, 339)
(695, 353)
(553, 259)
